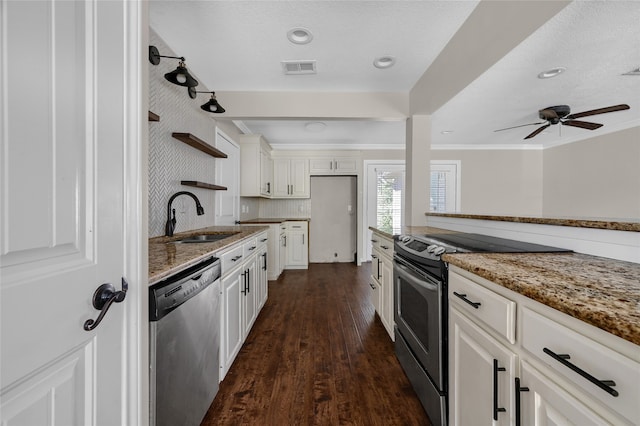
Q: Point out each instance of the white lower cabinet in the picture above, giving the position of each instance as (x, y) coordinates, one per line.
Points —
(297, 245)
(483, 374)
(543, 402)
(548, 369)
(231, 329)
(243, 292)
(382, 277)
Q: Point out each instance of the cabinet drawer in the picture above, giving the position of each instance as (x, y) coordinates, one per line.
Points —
(494, 310)
(296, 226)
(249, 247)
(262, 239)
(386, 246)
(588, 356)
(231, 258)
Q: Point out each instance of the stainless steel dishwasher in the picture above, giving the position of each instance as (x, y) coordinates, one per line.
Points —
(184, 338)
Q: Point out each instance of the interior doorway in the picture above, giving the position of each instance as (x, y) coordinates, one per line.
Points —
(333, 225)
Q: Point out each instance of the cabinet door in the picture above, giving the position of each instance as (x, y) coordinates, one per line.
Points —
(345, 165)
(321, 166)
(261, 277)
(249, 298)
(376, 296)
(299, 178)
(386, 282)
(481, 375)
(296, 248)
(545, 403)
(281, 187)
(231, 332)
(283, 251)
(266, 172)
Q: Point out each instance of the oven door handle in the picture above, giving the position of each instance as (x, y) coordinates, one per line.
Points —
(411, 276)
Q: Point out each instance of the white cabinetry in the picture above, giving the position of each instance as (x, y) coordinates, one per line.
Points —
(256, 167)
(483, 373)
(382, 277)
(297, 245)
(243, 291)
(291, 178)
(262, 267)
(333, 165)
(559, 370)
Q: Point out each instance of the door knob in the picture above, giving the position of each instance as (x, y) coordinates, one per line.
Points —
(103, 298)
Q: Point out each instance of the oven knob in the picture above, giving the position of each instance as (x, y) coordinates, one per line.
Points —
(404, 238)
(439, 250)
(431, 248)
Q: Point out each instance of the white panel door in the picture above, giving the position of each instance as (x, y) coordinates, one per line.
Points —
(228, 175)
(66, 115)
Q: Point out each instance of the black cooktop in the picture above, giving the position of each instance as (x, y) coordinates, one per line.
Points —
(478, 243)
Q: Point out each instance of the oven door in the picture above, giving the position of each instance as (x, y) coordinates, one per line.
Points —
(419, 315)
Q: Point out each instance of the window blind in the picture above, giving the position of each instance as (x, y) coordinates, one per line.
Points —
(390, 186)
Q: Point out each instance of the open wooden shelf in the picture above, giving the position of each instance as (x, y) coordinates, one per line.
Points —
(198, 143)
(153, 116)
(203, 185)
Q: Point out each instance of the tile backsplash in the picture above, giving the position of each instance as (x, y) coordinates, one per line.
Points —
(170, 160)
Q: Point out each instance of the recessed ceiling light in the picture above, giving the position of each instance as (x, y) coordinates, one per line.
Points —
(385, 61)
(552, 72)
(299, 35)
(446, 132)
(315, 126)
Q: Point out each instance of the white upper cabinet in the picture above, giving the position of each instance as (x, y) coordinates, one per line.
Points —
(333, 166)
(291, 178)
(256, 167)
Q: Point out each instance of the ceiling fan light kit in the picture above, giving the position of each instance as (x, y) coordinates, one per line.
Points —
(560, 114)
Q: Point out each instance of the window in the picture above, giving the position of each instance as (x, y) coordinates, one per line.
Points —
(445, 186)
(389, 190)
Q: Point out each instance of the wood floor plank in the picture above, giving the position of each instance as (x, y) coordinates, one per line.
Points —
(317, 355)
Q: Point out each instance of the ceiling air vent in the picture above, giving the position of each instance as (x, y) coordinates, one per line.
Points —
(299, 67)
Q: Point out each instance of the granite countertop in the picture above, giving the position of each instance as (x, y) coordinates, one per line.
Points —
(632, 225)
(599, 291)
(274, 220)
(166, 258)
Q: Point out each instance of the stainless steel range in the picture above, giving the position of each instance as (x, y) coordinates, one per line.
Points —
(421, 308)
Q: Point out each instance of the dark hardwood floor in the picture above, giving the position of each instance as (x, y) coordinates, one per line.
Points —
(317, 355)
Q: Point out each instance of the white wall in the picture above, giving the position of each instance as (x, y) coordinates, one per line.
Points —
(595, 177)
(332, 230)
(171, 161)
(498, 182)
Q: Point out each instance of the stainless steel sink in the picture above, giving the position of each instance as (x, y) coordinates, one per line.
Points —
(204, 238)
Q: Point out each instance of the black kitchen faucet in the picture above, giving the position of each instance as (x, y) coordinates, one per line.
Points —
(171, 221)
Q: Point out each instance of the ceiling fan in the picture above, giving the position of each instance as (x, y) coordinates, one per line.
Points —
(560, 114)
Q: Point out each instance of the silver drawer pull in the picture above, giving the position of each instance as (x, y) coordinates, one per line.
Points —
(605, 385)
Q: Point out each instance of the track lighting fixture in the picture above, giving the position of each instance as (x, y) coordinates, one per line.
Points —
(211, 106)
(180, 75)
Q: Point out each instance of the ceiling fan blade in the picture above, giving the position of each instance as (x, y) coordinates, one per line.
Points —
(522, 125)
(613, 108)
(538, 130)
(582, 124)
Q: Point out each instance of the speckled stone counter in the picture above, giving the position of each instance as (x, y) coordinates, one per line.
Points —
(600, 291)
(273, 220)
(632, 225)
(166, 258)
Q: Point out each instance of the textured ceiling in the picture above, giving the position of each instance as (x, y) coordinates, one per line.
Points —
(238, 46)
